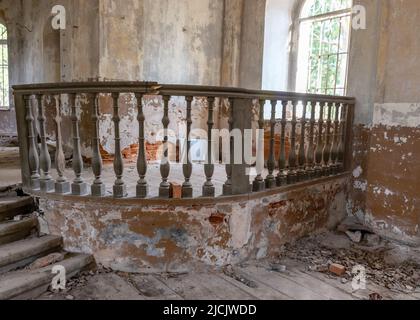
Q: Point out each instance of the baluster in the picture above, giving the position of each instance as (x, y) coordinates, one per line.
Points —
(142, 187)
(326, 152)
(120, 189)
(319, 145)
(78, 187)
(165, 166)
(227, 187)
(292, 174)
(334, 147)
(208, 187)
(98, 187)
(46, 182)
(187, 188)
(33, 148)
(311, 146)
(62, 186)
(340, 156)
(282, 176)
(301, 174)
(259, 183)
(270, 181)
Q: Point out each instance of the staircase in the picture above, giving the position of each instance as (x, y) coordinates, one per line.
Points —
(26, 258)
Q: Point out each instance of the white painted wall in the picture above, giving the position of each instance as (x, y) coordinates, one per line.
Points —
(278, 22)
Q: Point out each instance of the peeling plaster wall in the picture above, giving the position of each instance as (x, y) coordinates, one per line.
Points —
(384, 77)
(171, 236)
(40, 54)
(9, 15)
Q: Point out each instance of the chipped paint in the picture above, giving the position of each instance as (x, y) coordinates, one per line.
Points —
(161, 237)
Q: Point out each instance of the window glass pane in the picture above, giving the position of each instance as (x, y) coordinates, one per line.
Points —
(317, 7)
(4, 69)
(324, 66)
(342, 70)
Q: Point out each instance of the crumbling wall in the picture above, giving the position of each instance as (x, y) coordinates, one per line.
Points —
(383, 76)
(176, 235)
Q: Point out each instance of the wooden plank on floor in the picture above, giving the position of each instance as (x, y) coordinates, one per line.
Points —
(219, 287)
(306, 280)
(359, 294)
(152, 288)
(262, 292)
(188, 287)
(283, 285)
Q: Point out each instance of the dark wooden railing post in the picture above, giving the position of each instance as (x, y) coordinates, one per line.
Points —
(310, 155)
(301, 173)
(119, 188)
(270, 180)
(327, 148)
(98, 187)
(46, 182)
(187, 188)
(227, 186)
(341, 148)
(208, 187)
(259, 184)
(33, 145)
(165, 166)
(334, 146)
(142, 187)
(319, 145)
(78, 187)
(282, 175)
(62, 186)
(292, 174)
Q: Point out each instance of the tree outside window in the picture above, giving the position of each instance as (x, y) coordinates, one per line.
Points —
(324, 36)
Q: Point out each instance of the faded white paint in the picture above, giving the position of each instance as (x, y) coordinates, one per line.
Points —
(397, 115)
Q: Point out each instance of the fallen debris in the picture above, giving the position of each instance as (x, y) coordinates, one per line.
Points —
(278, 267)
(375, 296)
(46, 261)
(388, 265)
(337, 269)
(355, 236)
(238, 276)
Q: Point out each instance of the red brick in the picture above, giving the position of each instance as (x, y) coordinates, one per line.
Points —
(175, 190)
(337, 269)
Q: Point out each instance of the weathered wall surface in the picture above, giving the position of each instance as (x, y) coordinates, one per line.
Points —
(156, 236)
(9, 16)
(384, 78)
(40, 54)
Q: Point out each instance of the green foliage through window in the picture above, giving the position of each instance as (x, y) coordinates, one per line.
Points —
(328, 40)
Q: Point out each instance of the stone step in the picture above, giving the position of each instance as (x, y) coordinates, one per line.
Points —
(17, 230)
(12, 206)
(21, 253)
(25, 285)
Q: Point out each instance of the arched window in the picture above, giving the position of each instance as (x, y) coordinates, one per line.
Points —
(324, 37)
(4, 69)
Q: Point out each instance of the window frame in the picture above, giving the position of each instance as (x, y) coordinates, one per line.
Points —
(5, 42)
(301, 18)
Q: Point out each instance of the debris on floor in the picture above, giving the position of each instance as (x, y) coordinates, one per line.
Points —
(387, 264)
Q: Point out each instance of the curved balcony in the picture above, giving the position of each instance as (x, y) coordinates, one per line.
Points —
(183, 206)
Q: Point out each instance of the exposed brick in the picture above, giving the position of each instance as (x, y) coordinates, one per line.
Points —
(175, 190)
(337, 269)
